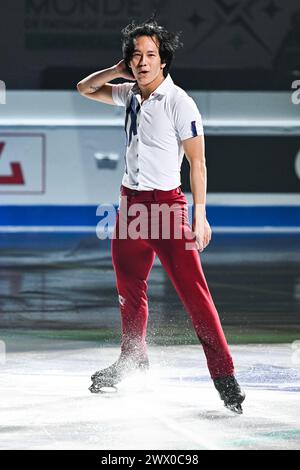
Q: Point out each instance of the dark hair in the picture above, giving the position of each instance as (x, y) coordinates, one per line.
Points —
(168, 42)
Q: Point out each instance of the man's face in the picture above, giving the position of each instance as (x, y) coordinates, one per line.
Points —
(146, 63)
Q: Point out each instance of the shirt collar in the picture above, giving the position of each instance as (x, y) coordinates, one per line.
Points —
(162, 89)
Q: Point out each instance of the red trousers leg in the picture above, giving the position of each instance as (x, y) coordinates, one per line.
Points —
(132, 262)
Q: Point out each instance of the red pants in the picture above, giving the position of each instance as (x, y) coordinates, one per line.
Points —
(133, 259)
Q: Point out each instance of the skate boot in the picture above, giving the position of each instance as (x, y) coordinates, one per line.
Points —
(231, 393)
(119, 370)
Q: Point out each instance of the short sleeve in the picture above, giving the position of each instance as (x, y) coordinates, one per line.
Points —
(187, 117)
(120, 93)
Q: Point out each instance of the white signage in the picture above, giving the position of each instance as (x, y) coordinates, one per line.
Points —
(22, 163)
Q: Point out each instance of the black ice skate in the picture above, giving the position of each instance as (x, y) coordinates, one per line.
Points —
(118, 371)
(231, 393)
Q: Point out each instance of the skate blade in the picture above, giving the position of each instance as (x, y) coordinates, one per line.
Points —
(98, 388)
(237, 408)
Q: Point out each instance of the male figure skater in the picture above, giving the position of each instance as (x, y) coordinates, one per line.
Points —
(162, 123)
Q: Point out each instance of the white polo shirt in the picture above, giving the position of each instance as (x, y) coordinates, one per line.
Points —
(154, 133)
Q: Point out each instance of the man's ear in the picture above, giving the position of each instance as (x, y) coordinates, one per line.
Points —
(163, 66)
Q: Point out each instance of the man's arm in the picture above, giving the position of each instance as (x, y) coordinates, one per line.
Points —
(194, 149)
(95, 86)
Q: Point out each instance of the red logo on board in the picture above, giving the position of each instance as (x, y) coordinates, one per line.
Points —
(16, 176)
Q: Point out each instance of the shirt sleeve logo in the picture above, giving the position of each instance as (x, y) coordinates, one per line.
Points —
(194, 129)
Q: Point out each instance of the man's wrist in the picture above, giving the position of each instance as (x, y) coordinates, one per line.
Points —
(199, 210)
(115, 72)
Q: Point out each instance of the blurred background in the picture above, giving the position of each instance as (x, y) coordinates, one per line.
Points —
(61, 156)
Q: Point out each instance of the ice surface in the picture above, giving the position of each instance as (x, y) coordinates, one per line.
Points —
(45, 402)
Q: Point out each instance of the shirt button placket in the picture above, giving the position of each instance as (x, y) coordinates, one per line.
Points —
(137, 139)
